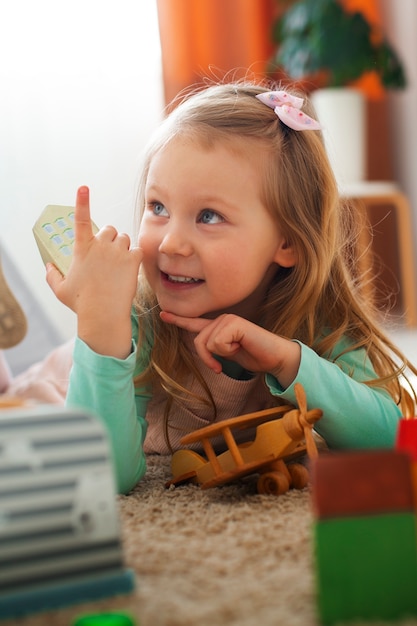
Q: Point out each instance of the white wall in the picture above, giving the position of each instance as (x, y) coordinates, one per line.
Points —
(81, 90)
(400, 19)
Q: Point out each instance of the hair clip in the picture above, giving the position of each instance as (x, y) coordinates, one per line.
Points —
(288, 109)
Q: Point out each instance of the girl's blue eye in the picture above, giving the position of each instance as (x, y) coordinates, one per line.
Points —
(210, 217)
(158, 209)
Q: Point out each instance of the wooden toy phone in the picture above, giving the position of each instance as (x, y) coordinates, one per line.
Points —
(54, 234)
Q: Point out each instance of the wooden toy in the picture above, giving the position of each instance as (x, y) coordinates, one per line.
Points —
(366, 567)
(361, 483)
(407, 441)
(104, 619)
(282, 434)
(10, 402)
(13, 322)
(59, 532)
(407, 437)
(54, 234)
(364, 535)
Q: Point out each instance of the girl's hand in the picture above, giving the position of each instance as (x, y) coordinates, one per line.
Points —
(237, 339)
(101, 283)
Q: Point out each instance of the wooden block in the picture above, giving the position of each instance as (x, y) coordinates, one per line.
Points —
(407, 437)
(407, 442)
(366, 567)
(362, 482)
(414, 482)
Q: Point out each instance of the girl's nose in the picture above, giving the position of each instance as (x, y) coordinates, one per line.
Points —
(176, 241)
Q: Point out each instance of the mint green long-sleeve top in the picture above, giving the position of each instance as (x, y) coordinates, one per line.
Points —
(355, 415)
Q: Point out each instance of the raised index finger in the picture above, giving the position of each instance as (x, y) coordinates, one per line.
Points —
(82, 220)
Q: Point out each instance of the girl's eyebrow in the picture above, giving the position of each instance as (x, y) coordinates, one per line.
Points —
(202, 198)
(155, 188)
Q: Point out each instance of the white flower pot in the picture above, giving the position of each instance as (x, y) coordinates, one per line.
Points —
(342, 113)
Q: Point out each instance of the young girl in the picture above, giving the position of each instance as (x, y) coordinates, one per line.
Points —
(248, 284)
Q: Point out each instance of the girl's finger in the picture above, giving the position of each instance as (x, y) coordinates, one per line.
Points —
(54, 277)
(195, 325)
(192, 324)
(82, 220)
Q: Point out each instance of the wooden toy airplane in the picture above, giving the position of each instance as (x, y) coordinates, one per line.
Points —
(282, 435)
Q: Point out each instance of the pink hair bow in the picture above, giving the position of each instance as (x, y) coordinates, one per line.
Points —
(288, 109)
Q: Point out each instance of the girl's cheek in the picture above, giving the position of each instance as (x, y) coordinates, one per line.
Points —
(142, 241)
(148, 249)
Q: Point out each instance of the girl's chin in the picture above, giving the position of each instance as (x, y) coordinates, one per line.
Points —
(183, 312)
(192, 313)
(178, 306)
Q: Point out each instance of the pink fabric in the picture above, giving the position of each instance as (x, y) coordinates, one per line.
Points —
(45, 382)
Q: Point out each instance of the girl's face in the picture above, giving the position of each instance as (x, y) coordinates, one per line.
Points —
(210, 246)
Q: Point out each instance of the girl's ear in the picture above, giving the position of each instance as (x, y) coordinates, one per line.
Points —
(286, 255)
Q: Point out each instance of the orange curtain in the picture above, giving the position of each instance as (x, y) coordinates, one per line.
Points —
(369, 8)
(212, 38)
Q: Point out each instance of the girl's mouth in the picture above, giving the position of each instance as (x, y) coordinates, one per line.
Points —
(180, 280)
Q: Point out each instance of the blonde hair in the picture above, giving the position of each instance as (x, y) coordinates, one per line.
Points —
(322, 297)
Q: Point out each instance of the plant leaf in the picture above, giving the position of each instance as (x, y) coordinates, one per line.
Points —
(320, 36)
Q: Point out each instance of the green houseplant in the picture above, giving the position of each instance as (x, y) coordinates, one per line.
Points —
(320, 41)
(337, 56)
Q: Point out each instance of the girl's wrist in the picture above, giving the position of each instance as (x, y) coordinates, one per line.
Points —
(287, 371)
(107, 337)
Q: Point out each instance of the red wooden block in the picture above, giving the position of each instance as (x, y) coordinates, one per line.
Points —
(356, 483)
(407, 437)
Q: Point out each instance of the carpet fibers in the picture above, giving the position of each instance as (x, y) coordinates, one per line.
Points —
(221, 557)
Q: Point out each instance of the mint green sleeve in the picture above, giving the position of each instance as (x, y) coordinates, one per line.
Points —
(104, 385)
(355, 415)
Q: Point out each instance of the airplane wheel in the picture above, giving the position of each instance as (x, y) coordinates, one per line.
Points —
(299, 475)
(273, 483)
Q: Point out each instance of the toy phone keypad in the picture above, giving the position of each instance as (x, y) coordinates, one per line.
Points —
(54, 234)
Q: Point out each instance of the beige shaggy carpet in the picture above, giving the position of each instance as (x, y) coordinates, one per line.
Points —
(225, 556)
